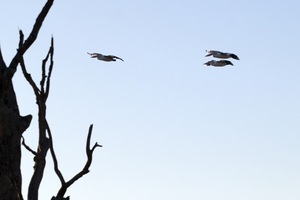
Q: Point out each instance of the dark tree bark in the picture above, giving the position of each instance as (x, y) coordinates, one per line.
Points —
(12, 125)
(44, 142)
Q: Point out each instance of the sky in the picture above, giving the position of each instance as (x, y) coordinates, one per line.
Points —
(171, 127)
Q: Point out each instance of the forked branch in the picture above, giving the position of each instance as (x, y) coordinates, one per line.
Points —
(46, 78)
(24, 45)
(41, 98)
(85, 170)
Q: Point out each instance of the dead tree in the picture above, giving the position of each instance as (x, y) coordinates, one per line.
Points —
(12, 125)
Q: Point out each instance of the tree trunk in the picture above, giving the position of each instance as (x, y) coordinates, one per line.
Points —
(12, 125)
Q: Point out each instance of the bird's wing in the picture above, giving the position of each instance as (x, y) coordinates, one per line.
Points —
(210, 52)
(215, 52)
(234, 56)
(225, 62)
(117, 57)
(94, 54)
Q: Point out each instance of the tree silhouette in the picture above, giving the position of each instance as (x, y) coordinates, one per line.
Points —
(12, 125)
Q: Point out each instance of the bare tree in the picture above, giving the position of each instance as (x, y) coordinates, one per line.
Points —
(12, 125)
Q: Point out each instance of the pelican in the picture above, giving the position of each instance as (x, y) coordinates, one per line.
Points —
(219, 54)
(106, 58)
(218, 63)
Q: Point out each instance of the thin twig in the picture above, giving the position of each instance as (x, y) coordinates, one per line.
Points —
(21, 41)
(27, 147)
(51, 51)
(46, 78)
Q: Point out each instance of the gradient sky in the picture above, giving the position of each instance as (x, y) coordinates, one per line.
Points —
(171, 127)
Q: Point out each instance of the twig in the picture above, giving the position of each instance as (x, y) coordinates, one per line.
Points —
(51, 51)
(46, 78)
(27, 147)
(21, 41)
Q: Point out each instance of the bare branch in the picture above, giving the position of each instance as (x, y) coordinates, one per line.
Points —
(27, 147)
(57, 171)
(95, 146)
(42, 82)
(21, 38)
(51, 51)
(31, 38)
(44, 142)
(85, 169)
(29, 78)
(46, 78)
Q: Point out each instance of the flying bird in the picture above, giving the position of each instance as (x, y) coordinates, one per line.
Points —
(218, 63)
(106, 58)
(219, 54)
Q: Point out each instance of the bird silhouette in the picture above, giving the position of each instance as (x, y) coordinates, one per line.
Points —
(218, 63)
(222, 55)
(102, 57)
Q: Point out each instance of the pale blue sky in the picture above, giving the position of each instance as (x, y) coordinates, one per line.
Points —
(171, 127)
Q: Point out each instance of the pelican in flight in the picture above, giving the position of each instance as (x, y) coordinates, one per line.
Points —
(218, 63)
(222, 55)
(106, 58)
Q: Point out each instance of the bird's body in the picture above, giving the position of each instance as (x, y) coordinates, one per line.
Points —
(222, 55)
(218, 63)
(106, 58)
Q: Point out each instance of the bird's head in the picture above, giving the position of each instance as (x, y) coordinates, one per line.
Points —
(207, 63)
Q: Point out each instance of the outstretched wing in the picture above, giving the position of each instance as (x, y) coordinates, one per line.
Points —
(213, 53)
(93, 54)
(117, 57)
(234, 56)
